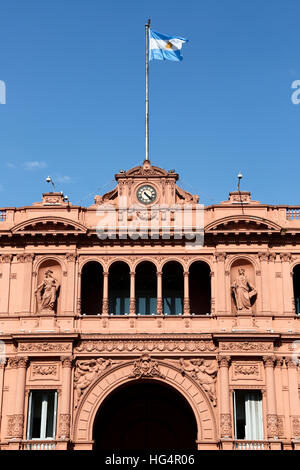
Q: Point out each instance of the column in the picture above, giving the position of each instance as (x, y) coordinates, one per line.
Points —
(265, 281)
(294, 398)
(272, 420)
(279, 397)
(186, 295)
(220, 298)
(65, 416)
(287, 282)
(16, 421)
(225, 414)
(159, 301)
(105, 300)
(26, 259)
(5, 260)
(2, 366)
(70, 284)
(132, 294)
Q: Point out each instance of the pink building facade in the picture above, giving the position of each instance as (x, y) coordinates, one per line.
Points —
(119, 330)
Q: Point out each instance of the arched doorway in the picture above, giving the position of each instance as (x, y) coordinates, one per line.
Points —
(145, 416)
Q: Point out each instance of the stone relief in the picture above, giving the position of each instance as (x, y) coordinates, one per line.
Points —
(87, 371)
(151, 344)
(46, 293)
(145, 367)
(204, 372)
(243, 291)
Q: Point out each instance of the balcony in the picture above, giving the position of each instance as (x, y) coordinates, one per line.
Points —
(39, 445)
(251, 445)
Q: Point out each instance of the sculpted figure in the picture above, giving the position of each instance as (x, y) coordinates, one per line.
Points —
(204, 373)
(243, 291)
(46, 292)
(86, 372)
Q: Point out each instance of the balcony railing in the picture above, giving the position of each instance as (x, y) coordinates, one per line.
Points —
(293, 213)
(251, 445)
(38, 445)
(2, 215)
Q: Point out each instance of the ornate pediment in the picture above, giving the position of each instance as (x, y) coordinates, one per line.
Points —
(49, 225)
(146, 170)
(247, 224)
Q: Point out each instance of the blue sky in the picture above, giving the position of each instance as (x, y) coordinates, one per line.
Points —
(75, 80)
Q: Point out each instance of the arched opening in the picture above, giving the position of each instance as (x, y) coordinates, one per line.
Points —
(119, 288)
(145, 416)
(200, 288)
(145, 288)
(172, 288)
(91, 288)
(296, 284)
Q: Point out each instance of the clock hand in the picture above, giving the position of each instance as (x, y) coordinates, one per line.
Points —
(147, 194)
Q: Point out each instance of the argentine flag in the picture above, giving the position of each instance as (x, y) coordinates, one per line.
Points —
(164, 47)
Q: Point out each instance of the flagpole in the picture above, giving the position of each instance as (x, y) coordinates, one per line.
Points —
(147, 26)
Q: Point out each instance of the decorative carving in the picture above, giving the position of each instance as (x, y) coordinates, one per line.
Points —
(263, 256)
(246, 346)
(15, 426)
(86, 372)
(145, 344)
(272, 425)
(71, 257)
(220, 256)
(243, 291)
(245, 371)
(22, 362)
(64, 426)
(46, 293)
(280, 426)
(269, 361)
(25, 257)
(13, 362)
(204, 373)
(296, 426)
(39, 369)
(132, 306)
(159, 306)
(225, 425)
(45, 347)
(145, 367)
(224, 361)
(6, 258)
(285, 257)
(186, 306)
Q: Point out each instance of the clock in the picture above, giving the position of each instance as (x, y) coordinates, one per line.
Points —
(146, 194)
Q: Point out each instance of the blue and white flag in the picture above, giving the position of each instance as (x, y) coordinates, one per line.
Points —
(164, 47)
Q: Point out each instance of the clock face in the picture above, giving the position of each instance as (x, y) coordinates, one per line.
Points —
(146, 194)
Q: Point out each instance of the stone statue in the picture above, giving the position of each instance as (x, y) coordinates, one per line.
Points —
(86, 372)
(205, 373)
(243, 291)
(46, 293)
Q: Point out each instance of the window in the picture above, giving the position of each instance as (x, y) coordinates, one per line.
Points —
(296, 284)
(248, 414)
(42, 414)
